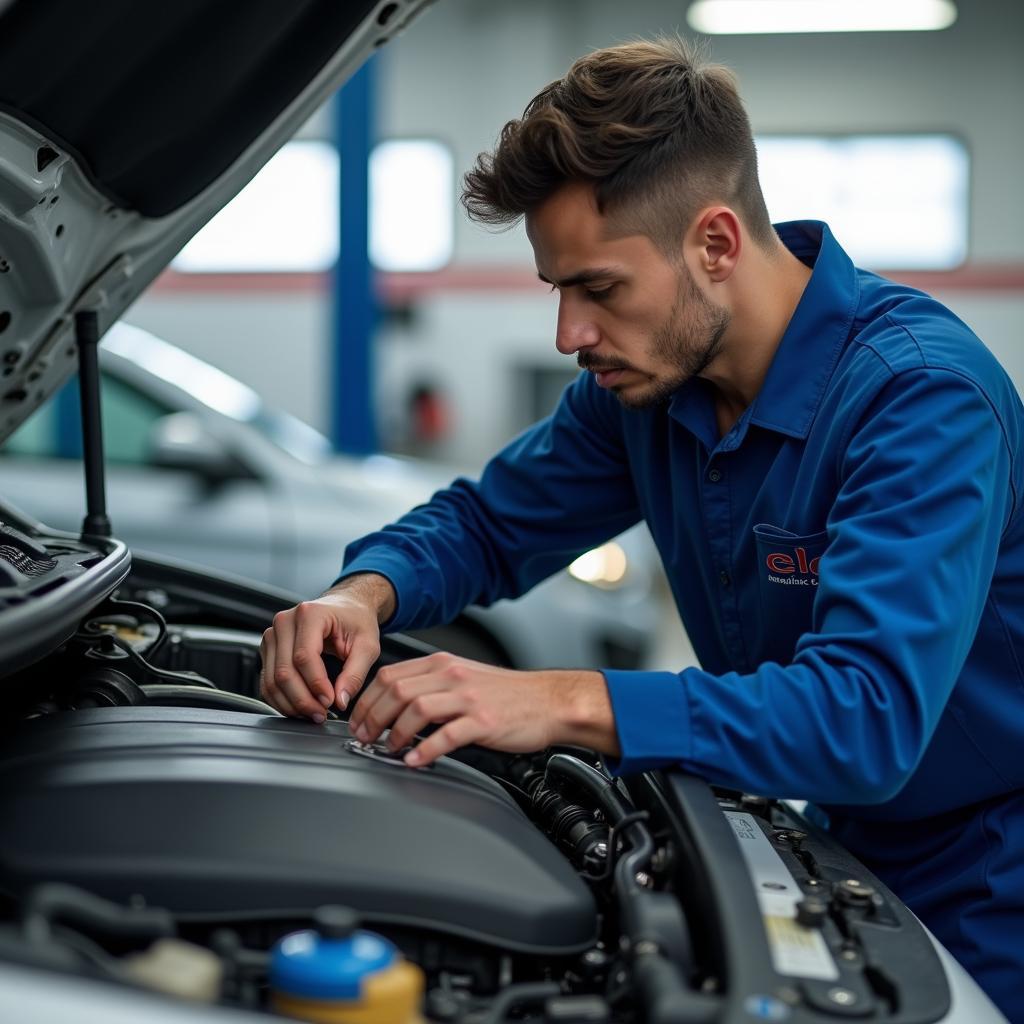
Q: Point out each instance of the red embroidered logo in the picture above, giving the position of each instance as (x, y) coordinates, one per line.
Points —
(783, 568)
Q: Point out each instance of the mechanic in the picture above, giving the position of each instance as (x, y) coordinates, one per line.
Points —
(829, 464)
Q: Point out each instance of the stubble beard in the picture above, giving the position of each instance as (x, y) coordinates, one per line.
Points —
(687, 342)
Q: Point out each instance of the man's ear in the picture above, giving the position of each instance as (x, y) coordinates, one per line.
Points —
(716, 240)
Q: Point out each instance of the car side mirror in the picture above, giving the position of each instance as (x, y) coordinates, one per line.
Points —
(181, 441)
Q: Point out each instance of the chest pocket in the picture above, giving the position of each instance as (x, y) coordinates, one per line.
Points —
(787, 579)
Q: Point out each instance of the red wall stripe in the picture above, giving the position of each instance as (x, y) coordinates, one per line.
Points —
(396, 288)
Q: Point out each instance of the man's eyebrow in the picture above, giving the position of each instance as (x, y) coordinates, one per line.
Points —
(583, 277)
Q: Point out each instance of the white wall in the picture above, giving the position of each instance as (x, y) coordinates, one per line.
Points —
(468, 65)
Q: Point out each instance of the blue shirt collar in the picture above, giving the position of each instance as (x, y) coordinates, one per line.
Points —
(809, 349)
(816, 335)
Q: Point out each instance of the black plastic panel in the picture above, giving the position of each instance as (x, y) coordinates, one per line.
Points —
(893, 972)
(220, 815)
(48, 581)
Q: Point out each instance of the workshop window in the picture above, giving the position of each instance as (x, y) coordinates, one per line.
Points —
(412, 205)
(286, 219)
(894, 202)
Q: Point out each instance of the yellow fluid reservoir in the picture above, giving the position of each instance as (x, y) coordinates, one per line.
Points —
(337, 973)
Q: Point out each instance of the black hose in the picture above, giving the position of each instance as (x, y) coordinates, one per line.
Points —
(564, 768)
(116, 606)
(514, 995)
(665, 1000)
(182, 678)
(55, 902)
(652, 922)
(590, 780)
(571, 826)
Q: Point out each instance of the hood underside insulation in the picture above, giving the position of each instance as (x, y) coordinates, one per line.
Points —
(156, 100)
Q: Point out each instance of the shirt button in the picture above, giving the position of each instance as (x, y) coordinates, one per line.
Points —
(714, 476)
(724, 578)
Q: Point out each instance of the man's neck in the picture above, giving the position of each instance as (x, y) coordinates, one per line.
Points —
(770, 291)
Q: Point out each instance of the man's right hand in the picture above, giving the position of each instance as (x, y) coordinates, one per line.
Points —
(344, 621)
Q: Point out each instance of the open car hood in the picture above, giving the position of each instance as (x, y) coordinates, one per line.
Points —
(123, 129)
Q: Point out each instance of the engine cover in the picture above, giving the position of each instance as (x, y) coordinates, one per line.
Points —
(221, 815)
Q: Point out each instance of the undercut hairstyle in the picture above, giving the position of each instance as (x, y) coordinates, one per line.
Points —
(657, 131)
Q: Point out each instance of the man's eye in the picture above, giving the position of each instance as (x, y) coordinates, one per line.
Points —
(598, 294)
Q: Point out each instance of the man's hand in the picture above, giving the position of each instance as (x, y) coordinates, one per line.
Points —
(345, 620)
(477, 703)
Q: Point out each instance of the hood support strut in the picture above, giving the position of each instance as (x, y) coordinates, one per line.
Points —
(87, 336)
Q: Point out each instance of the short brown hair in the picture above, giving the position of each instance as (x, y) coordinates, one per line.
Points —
(657, 131)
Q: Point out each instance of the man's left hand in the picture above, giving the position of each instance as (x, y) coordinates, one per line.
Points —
(500, 708)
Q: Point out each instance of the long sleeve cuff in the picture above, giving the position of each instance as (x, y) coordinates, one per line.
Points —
(652, 720)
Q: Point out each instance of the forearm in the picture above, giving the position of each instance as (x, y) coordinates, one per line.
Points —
(583, 710)
(560, 488)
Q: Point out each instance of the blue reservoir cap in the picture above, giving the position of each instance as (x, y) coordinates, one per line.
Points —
(308, 965)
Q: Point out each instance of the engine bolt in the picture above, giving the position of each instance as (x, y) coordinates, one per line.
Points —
(842, 996)
(643, 879)
(661, 860)
(790, 835)
(812, 912)
(443, 1006)
(854, 892)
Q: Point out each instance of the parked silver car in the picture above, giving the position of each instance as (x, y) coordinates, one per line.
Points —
(201, 469)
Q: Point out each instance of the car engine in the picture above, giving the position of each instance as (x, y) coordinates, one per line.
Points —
(169, 835)
(141, 803)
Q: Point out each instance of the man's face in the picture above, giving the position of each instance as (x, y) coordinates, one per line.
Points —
(635, 319)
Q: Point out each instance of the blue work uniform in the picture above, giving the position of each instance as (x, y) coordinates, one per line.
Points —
(848, 561)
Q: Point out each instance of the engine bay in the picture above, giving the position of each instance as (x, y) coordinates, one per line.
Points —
(167, 832)
(144, 805)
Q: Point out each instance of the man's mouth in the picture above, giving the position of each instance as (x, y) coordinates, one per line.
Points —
(608, 378)
(606, 375)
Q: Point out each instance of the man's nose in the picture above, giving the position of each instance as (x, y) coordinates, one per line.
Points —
(574, 331)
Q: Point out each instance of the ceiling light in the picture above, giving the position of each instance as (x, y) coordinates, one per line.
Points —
(734, 17)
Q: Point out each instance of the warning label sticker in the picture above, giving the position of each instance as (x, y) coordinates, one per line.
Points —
(797, 951)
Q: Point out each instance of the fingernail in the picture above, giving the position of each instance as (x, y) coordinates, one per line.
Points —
(362, 734)
(343, 700)
(413, 758)
(325, 700)
(319, 719)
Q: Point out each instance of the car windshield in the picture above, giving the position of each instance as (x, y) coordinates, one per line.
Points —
(292, 434)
